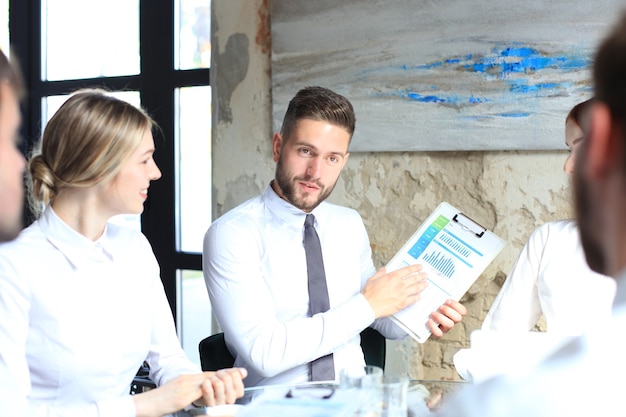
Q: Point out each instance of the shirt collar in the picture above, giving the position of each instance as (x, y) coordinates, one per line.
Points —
(288, 214)
(620, 294)
(75, 247)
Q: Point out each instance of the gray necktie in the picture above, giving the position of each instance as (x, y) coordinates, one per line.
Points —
(322, 369)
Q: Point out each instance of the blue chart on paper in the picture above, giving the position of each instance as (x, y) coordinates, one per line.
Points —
(456, 244)
(440, 262)
(442, 249)
(424, 240)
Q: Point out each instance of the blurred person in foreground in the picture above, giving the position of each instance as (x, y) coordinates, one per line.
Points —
(12, 165)
(582, 377)
(12, 162)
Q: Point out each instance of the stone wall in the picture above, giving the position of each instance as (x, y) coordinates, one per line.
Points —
(509, 192)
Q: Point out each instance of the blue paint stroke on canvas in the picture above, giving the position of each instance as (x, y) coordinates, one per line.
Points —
(433, 98)
(508, 74)
(522, 60)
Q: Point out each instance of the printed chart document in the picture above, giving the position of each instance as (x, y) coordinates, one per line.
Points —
(453, 250)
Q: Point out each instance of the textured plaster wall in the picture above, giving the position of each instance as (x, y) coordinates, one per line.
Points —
(508, 192)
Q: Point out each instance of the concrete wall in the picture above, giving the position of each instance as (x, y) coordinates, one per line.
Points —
(509, 192)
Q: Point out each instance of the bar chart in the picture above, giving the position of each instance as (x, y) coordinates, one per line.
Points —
(440, 262)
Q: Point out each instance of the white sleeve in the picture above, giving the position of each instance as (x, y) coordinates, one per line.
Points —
(14, 311)
(517, 306)
(386, 326)
(166, 358)
(122, 407)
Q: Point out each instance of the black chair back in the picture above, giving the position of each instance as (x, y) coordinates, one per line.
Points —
(374, 347)
(215, 355)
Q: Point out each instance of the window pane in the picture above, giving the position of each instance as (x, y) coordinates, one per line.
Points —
(193, 19)
(193, 167)
(51, 104)
(4, 26)
(87, 39)
(195, 317)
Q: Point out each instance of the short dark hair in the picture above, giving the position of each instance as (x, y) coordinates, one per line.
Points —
(609, 71)
(609, 76)
(321, 104)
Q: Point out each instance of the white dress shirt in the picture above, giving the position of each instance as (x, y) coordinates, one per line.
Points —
(255, 270)
(582, 378)
(78, 318)
(551, 277)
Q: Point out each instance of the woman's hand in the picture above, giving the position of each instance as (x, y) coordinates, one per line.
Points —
(223, 386)
(207, 388)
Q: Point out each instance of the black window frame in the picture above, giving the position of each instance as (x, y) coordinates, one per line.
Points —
(157, 83)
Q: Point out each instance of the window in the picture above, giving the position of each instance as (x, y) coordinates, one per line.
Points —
(98, 51)
(4, 25)
(153, 53)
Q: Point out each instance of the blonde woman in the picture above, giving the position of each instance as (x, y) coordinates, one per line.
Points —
(70, 281)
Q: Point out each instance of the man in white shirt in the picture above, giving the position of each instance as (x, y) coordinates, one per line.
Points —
(582, 377)
(12, 162)
(255, 264)
(12, 165)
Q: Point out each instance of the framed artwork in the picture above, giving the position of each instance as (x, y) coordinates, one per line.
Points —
(428, 75)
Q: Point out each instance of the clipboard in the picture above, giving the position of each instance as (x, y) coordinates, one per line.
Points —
(453, 250)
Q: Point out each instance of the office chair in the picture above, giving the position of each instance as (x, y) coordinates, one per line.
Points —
(374, 347)
(215, 355)
(142, 381)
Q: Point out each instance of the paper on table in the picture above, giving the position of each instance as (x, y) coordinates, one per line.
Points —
(453, 250)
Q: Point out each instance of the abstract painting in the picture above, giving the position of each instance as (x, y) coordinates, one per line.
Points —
(442, 75)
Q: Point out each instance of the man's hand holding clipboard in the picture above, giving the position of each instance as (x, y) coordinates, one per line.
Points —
(453, 251)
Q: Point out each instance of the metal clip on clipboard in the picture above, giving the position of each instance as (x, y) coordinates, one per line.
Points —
(469, 224)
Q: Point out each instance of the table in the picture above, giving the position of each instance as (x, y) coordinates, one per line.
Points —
(435, 392)
(424, 396)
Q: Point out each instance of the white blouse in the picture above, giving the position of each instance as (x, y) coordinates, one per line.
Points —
(581, 378)
(551, 277)
(78, 318)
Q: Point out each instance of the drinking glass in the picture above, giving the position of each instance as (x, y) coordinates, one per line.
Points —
(351, 377)
(386, 397)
